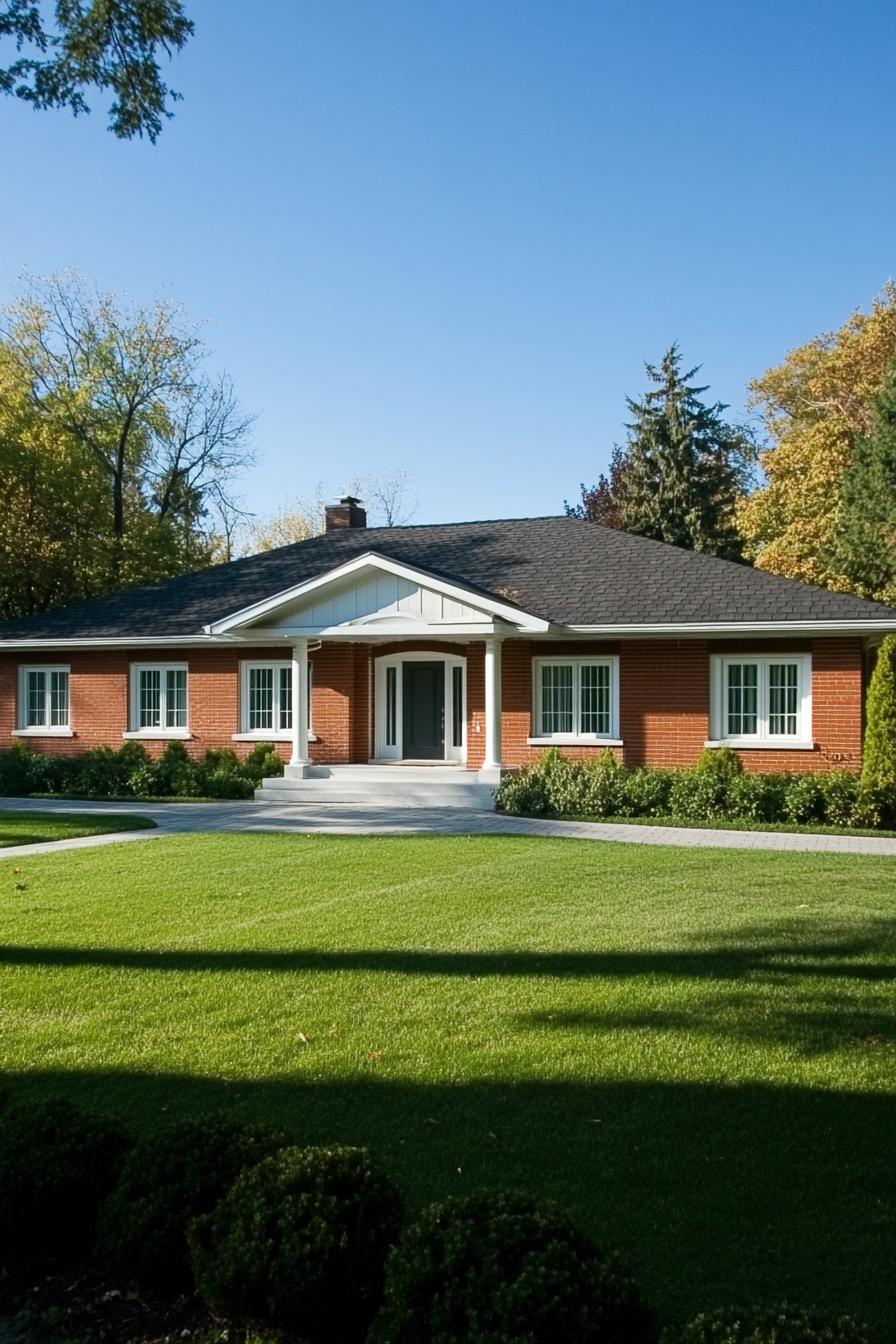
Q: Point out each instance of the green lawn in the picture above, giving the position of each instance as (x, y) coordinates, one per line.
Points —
(32, 828)
(692, 1051)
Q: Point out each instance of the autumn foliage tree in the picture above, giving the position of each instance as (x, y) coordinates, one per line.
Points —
(816, 406)
(119, 452)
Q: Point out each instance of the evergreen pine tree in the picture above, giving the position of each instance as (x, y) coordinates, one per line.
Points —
(864, 548)
(681, 471)
(879, 755)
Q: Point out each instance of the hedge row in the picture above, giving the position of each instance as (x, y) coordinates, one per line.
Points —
(308, 1244)
(130, 773)
(716, 789)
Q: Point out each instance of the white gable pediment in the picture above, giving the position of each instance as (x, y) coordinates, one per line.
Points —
(377, 594)
(373, 596)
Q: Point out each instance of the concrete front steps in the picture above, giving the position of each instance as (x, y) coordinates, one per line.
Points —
(381, 786)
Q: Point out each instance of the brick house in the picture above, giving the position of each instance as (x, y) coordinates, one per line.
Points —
(474, 645)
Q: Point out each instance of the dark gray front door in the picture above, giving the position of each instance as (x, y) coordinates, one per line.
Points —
(423, 711)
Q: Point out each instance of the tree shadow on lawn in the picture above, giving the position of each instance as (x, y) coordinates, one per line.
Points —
(747, 1193)
(771, 951)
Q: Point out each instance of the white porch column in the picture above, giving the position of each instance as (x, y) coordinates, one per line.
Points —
(492, 704)
(300, 755)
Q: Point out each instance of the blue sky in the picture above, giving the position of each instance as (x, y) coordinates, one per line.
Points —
(446, 236)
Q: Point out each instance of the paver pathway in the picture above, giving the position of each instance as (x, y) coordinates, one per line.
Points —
(343, 819)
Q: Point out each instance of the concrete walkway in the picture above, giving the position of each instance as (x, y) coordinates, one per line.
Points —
(336, 819)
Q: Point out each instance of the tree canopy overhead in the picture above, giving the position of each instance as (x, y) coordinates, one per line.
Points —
(108, 45)
(681, 471)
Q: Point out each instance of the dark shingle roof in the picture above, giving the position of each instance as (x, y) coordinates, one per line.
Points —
(562, 569)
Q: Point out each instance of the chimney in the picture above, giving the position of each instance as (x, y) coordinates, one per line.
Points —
(347, 513)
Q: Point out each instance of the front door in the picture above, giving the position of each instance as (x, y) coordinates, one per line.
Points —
(423, 711)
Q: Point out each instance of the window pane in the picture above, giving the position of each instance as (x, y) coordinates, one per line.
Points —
(743, 699)
(285, 707)
(36, 699)
(457, 706)
(556, 699)
(261, 699)
(175, 697)
(594, 715)
(150, 698)
(783, 681)
(59, 699)
(391, 704)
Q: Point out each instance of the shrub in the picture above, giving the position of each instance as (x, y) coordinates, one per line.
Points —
(598, 787)
(698, 795)
(753, 798)
(262, 763)
(721, 762)
(803, 799)
(775, 1325)
(534, 790)
(168, 1180)
(839, 789)
(15, 770)
(879, 754)
(57, 1163)
(644, 792)
(299, 1244)
(498, 1267)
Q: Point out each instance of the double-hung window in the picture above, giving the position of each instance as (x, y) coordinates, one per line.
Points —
(576, 699)
(159, 699)
(43, 705)
(266, 699)
(762, 700)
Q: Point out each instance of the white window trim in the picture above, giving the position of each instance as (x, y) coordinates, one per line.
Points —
(44, 729)
(273, 735)
(762, 740)
(161, 733)
(540, 738)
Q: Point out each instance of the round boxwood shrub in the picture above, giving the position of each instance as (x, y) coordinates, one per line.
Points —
(498, 1267)
(299, 1245)
(167, 1180)
(58, 1161)
(768, 1325)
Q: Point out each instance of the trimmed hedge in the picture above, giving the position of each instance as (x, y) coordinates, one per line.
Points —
(58, 1161)
(499, 1267)
(716, 789)
(167, 1180)
(130, 773)
(764, 1325)
(299, 1245)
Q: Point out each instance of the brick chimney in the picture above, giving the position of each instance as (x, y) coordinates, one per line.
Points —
(347, 513)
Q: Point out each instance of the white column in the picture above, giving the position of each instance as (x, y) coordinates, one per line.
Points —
(492, 704)
(300, 755)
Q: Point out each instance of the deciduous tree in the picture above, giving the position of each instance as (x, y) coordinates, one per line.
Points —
(815, 405)
(111, 45)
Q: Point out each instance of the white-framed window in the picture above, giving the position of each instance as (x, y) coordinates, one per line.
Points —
(762, 700)
(266, 700)
(43, 702)
(158, 701)
(575, 699)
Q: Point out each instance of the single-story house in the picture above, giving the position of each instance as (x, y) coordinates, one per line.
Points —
(476, 645)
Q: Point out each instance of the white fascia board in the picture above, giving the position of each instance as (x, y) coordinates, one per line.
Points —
(371, 559)
(782, 629)
(381, 630)
(116, 642)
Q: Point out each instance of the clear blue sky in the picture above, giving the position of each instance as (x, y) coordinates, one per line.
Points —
(447, 235)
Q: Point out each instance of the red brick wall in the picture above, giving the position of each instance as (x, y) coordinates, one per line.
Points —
(664, 700)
